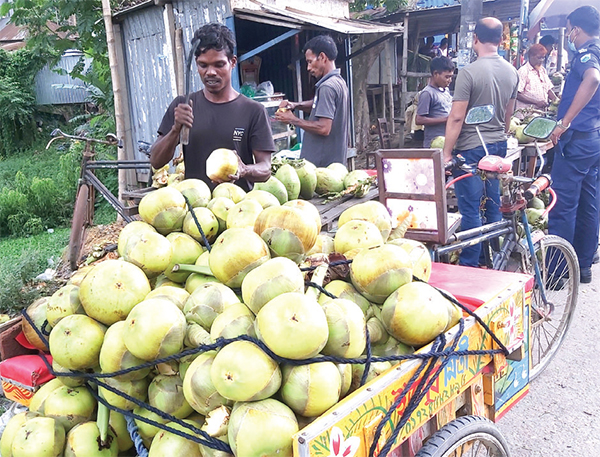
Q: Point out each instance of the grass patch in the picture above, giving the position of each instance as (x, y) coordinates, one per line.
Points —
(21, 260)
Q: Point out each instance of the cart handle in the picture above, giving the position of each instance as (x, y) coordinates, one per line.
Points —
(111, 138)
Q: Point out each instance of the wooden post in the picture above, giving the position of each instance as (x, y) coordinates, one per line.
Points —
(169, 21)
(114, 74)
(403, 75)
(129, 146)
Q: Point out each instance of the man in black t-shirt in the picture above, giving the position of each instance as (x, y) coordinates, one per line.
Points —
(217, 116)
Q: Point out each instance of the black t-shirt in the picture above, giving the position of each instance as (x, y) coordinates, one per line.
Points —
(241, 124)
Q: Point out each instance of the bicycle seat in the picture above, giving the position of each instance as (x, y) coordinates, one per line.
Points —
(495, 164)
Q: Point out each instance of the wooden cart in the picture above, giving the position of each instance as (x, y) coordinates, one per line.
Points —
(474, 386)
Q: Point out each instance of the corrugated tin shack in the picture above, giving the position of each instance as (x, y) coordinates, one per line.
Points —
(153, 38)
(51, 87)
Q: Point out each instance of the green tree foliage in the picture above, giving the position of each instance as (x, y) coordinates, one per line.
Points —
(391, 5)
(17, 99)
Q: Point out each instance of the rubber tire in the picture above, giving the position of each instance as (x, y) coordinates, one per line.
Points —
(78, 225)
(564, 301)
(461, 431)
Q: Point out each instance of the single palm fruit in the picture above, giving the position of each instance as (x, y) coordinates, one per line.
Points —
(186, 250)
(207, 302)
(155, 328)
(307, 175)
(293, 325)
(165, 393)
(64, 302)
(150, 251)
(75, 342)
(345, 370)
(241, 371)
(220, 206)
(110, 291)
(83, 440)
(357, 234)
(244, 214)
(208, 222)
(342, 289)
(39, 437)
(312, 389)
(287, 231)
(177, 295)
(114, 355)
(355, 177)
(164, 209)
(289, 178)
(339, 168)
(134, 228)
(166, 443)
(274, 186)
(137, 389)
(323, 245)
(328, 180)
(220, 164)
(195, 190)
(262, 428)
(375, 370)
(415, 314)
(13, 424)
(378, 272)
(438, 142)
(236, 252)
(37, 311)
(70, 406)
(235, 320)
(371, 211)
(419, 255)
(233, 192)
(267, 281)
(263, 197)
(346, 322)
(198, 388)
(39, 398)
(309, 209)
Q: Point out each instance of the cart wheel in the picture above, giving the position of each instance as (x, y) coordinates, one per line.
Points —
(550, 319)
(81, 216)
(467, 436)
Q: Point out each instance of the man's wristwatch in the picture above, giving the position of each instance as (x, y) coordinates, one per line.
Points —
(562, 126)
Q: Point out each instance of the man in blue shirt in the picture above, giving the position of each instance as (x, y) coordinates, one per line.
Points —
(575, 172)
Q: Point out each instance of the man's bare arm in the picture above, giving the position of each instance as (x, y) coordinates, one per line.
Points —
(510, 110)
(163, 149)
(424, 120)
(454, 126)
(259, 171)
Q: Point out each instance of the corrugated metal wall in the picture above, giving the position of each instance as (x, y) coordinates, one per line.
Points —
(149, 72)
(436, 3)
(53, 88)
(150, 66)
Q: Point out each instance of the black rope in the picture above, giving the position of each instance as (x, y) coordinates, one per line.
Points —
(331, 264)
(206, 439)
(363, 378)
(320, 288)
(191, 210)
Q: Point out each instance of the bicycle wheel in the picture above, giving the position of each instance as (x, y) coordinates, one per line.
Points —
(81, 215)
(467, 436)
(550, 318)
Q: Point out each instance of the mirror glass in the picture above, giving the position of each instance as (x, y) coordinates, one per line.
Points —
(540, 128)
(480, 114)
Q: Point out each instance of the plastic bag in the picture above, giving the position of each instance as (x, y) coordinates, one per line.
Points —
(265, 88)
(248, 89)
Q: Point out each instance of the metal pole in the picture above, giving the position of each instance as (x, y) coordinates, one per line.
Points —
(348, 46)
(560, 59)
(403, 76)
(470, 13)
(523, 28)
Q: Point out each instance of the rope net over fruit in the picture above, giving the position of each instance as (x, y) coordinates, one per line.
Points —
(432, 364)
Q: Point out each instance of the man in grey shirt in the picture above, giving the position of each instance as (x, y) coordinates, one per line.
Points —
(326, 131)
(490, 80)
(435, 100)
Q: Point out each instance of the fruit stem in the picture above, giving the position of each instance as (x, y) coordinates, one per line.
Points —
(318, 277)
(102, 422)
(201, 269)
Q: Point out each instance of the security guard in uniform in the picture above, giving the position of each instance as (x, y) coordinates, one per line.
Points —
(575, 172)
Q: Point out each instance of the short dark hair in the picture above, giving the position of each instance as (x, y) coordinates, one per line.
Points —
(441, 64)
(444, 41)
(322, 44)
(587, 19)
(430, 40)
(215, 36)
(547, 40)
(487, 34)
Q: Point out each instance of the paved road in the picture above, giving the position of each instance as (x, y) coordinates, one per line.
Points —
(561, 415)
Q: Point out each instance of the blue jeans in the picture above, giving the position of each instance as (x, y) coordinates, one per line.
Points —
(576, 181)
(478, 201)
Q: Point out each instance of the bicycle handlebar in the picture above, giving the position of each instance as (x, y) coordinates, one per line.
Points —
(110, 140)
(539, 185)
